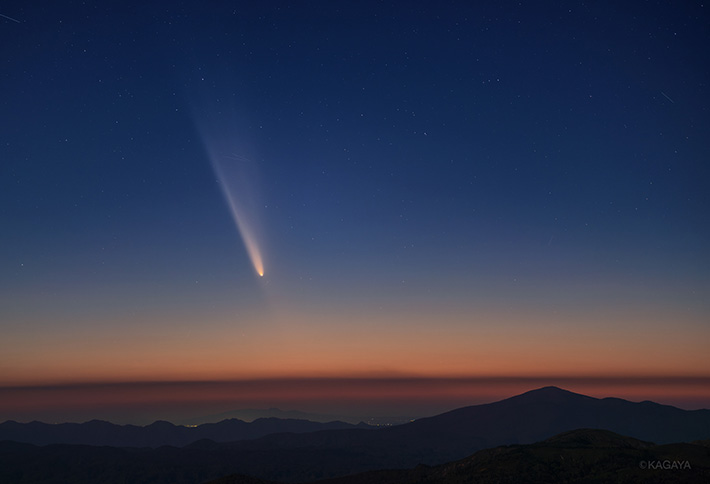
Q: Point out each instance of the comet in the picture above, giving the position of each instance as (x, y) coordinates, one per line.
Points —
(225, 142)
(240, 217)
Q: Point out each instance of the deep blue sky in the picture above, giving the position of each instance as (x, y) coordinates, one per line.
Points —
(440, 171)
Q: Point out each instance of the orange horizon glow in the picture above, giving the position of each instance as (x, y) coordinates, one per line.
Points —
(292, 345)
(289, 353)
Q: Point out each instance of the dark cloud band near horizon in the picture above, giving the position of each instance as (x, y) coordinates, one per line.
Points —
(355, 398)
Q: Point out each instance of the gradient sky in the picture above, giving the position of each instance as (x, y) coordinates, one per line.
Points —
(468, 190)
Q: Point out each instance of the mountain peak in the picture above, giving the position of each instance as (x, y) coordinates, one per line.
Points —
(161, 424)
(549, 394)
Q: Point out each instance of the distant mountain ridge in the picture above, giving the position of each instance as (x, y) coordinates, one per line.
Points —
(159, 433)
(251, 414)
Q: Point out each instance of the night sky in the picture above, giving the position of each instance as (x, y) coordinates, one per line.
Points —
(492, 191)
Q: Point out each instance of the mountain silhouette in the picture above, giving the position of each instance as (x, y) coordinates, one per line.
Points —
(530, 417)
(541, 413)
(159, 433)
(301, 457)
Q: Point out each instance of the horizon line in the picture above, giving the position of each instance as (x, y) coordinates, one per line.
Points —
(679, 379)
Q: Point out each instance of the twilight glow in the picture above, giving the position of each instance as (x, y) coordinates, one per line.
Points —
(464, 200)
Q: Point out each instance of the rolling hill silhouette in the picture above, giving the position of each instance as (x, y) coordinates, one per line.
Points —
(585, 455)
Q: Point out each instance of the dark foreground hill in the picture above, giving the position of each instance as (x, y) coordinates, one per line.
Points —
(290, 457)
(579, 456)
(97, 432)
